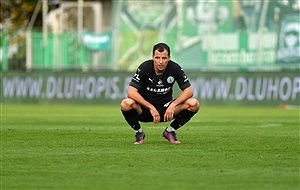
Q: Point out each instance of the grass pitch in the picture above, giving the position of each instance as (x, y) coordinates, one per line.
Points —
(91, 147)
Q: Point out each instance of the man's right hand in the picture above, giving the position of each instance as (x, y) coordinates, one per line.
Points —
(155, 115)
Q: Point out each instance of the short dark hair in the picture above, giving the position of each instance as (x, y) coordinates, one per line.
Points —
(161, 47)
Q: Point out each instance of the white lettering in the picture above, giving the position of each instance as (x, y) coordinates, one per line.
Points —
(79, 87)
(100, 86)
(240, 88)
(90, 87)
(69, 87)
(50, 87)
(285, 88)
(261, 88)
(296, 88)
(272, 89)
(115, 88)
(59, 85)
(250, 95)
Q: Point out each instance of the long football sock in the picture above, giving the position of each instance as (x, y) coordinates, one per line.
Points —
(182, 118)
(131, 117)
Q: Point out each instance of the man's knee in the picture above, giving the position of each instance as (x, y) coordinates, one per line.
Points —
(194, 105)
(127, 104)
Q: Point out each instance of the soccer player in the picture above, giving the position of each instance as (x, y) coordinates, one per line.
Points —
(150, 95)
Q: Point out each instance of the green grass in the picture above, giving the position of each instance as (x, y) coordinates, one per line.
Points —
(91, 147)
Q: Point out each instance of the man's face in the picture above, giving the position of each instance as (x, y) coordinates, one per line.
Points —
(160, 60)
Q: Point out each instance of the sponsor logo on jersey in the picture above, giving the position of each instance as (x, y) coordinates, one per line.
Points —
(136, 77)
(159, 90)
(160, 83)
(151, 80)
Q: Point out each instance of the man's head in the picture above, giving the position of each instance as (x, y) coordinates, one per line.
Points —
(161, 57)
(161, 47)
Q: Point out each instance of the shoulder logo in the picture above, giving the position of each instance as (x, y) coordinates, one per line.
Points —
(185, 78)
(170, 79)
(136, 77)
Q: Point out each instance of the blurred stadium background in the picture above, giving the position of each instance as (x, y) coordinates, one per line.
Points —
(236, 52)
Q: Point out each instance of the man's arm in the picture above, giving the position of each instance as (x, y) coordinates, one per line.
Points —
(135, 95)
(183, 96)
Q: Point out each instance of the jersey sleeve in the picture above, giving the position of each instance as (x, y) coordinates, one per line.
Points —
(138, 76)
(181, 78)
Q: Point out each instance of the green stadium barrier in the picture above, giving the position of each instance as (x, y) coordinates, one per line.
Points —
(4, 46)
(65, 51)
(210, 88)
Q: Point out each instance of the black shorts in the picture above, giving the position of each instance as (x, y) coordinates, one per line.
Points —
(146, 115)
